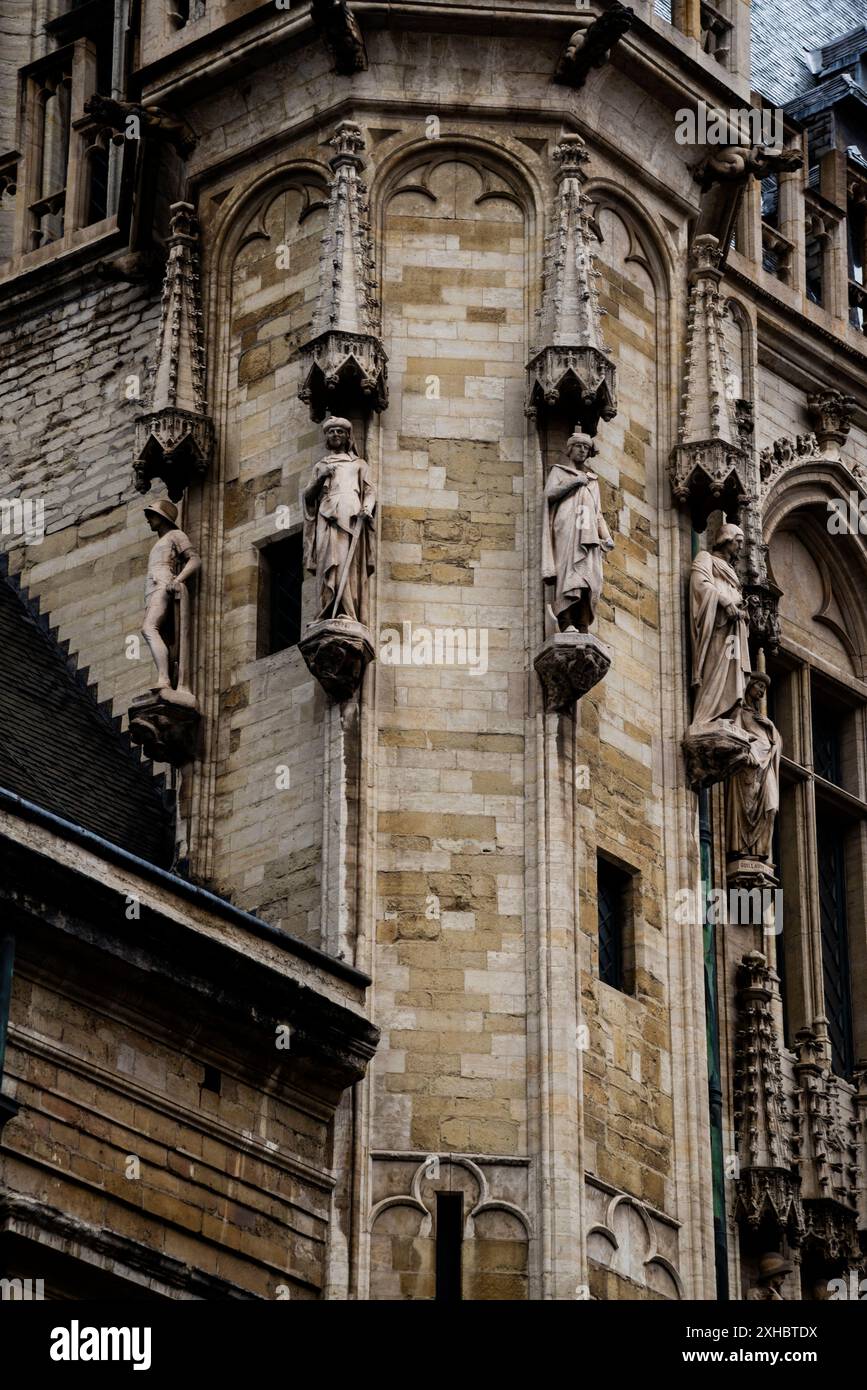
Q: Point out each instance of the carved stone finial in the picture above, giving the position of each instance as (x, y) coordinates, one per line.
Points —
(768, 1184)
(709, 464)
(590, 47)
(571, 367)
(344, 365)
(175, 435)
(830, 414)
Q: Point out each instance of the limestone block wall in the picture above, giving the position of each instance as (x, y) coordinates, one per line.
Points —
(72, 383)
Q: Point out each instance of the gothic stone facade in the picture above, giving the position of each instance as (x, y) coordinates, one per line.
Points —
(374, 220)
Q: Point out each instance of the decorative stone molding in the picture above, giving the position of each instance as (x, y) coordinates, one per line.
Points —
(709, 465)
(344, 364)
(428, 1171)
(784, 454)
(768, 1184)
(572, 367)
(632, 1240)
(175, 435)
(568, 665)
(829, 1144)
(590, 47)
(342, 35)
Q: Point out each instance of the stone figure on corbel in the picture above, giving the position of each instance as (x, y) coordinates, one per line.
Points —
(340, 550)
(753, 791)
(716, 744)
(575, 537)
(166, 720)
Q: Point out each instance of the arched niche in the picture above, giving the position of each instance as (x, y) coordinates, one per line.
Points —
(262, 280)
(821, 569)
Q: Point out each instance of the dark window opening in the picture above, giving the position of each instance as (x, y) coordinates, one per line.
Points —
(211, 1080)
(614, 898)
(835, 947)
(826, 741)
(280, 579)
(449, 1242)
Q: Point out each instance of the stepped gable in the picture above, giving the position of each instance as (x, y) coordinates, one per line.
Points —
(63, 750)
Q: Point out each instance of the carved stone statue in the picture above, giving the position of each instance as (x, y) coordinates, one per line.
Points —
(574, 537)
(716, 744)
(773, 1269)
(339, 539)
(340, 549)
(753, 792)
(165, 720)
(167, 614)
(718, 625)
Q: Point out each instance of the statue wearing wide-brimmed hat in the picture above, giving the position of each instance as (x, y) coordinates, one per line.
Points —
(166, 628)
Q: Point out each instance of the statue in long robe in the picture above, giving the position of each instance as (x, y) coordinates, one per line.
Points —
(718, 626)
(339, 536)
(753, 791)
(574, 537)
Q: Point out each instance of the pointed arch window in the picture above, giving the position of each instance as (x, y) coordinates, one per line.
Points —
(820, 707)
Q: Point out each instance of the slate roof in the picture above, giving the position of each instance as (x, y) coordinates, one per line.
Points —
(60, 748)
(782, 32)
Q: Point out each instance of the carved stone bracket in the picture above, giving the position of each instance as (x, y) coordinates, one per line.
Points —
(571, 367)
(591, 47)
(832, 1230)
(713, 752)
(765, 1194)
(831, 417)
(175, 435)
(165, 727)
(337, 652)
(569, 664)
(344, 364)
(150, 122)
(342, 35)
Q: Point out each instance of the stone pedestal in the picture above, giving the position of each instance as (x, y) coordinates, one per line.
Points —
(568, 665)
(337, 651)
(714, 752)
(750, 873)
(165, 723)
